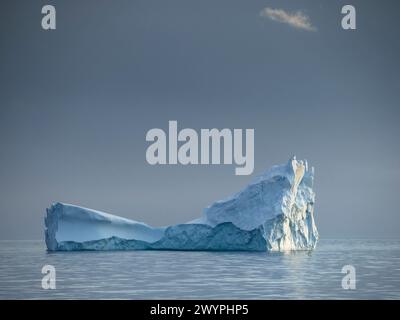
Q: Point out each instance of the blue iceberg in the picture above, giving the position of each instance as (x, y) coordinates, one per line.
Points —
(275, 212)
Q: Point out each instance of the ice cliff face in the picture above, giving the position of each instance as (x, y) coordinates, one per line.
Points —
(273, 213)
(281, 201)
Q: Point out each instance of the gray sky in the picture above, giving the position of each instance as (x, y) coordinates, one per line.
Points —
(76, 103)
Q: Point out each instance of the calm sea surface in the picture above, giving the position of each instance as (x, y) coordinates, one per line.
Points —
(203, 275)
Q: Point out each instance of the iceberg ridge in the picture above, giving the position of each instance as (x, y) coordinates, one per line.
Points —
(275, 212)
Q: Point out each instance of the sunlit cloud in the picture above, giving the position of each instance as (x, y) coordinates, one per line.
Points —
(297, 19)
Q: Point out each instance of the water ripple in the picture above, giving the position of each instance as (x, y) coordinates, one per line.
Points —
(203, 275)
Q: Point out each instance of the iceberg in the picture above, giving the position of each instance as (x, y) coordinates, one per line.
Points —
(275, 212)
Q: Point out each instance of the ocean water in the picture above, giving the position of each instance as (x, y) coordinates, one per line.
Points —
(203, 275)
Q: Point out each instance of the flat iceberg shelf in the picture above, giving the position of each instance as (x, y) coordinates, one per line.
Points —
(272, 213)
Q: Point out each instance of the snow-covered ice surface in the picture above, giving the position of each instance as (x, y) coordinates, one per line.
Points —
(272, 213)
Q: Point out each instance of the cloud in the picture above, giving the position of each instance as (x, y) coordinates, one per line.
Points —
(297, 19)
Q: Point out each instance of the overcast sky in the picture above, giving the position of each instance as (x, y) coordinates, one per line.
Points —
(76, 103)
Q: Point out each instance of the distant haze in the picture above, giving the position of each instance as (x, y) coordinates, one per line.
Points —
(76, 104)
